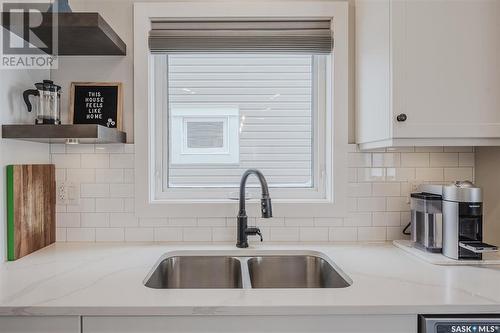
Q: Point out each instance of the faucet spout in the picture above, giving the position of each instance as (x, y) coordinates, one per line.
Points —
(265, 206)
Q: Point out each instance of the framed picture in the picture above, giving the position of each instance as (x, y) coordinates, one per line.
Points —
(97, 103)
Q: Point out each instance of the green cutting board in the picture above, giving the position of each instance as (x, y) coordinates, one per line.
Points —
(31, 208)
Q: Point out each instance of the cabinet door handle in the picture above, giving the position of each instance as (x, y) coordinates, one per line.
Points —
(401, 117)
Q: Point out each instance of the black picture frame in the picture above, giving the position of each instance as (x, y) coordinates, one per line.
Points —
(97, 103)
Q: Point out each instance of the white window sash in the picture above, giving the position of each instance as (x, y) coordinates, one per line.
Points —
(321, 178)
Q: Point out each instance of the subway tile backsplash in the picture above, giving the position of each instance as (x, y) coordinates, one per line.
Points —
(379, 185)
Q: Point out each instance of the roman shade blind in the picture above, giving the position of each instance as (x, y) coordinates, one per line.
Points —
(311, 36)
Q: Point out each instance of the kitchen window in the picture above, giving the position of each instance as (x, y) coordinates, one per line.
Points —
(220, 114)
(239, 87)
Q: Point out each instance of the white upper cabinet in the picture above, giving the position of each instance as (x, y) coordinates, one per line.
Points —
(436, 64)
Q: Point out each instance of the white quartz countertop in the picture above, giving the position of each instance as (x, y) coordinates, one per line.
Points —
(107, 279)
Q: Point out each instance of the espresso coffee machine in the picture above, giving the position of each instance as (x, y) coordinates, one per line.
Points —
(462, 220)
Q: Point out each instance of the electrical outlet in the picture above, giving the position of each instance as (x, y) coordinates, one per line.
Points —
(414, 186)
(68, 194)
(61, 193)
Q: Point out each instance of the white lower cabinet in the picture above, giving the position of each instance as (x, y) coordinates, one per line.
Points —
(257, 324)
(52, 324)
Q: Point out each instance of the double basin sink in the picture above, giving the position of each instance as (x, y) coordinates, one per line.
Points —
(265, 269)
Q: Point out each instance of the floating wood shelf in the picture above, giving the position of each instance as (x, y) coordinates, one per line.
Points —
(78, 34)
(64, 133)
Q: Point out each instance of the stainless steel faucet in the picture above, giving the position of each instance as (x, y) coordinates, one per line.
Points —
(265, 206)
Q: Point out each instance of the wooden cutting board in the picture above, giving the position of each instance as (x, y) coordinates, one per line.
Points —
(31, 208)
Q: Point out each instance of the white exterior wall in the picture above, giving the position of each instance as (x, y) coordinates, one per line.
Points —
(274, 97)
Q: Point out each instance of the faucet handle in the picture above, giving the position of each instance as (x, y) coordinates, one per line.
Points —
(254, 231)
(260, 235)
(266, 208)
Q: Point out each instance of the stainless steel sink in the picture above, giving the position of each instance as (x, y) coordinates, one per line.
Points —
(305, 271)
(247, 269)
(196, 272)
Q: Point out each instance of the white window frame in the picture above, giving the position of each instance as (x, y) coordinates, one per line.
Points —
(321, 113)
(333, 203)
